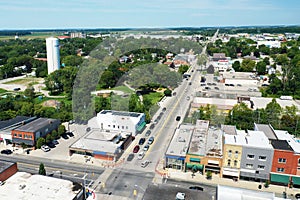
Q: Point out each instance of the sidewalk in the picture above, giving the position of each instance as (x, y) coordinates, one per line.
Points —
(216, 180)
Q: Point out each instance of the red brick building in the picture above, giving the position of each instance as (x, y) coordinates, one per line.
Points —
(7, 169)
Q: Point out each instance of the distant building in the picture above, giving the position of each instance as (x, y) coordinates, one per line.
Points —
(29, 133)
(53, 55)
(77, 35)
(218, 56)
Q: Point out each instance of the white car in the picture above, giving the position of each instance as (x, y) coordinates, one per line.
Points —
(45, 148)
(145, 163)
(141, 155)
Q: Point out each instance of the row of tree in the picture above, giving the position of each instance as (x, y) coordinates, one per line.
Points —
(244, 118)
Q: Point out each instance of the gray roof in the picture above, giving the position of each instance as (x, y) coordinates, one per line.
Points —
(229, 129)
(10, 122)
(267, 129)
(36, 125)
(4, 165)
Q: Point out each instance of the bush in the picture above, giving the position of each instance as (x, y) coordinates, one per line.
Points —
(40, 142)
(54, 135)
(61, 130)
(208, 174)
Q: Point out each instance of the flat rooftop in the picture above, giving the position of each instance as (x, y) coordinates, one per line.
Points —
(229, 129)
(198, 140)
(5, 165)
(213, 147)
(100, 140)
(120, 113)
(36, 124)
(261, 102)
(281, 145)
(36, 187)
(291, 140)
(257, 139)
(181, 140)
(220, 103)
(238, 139)
(267, 129)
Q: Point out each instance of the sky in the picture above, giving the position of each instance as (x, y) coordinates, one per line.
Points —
(41, 14)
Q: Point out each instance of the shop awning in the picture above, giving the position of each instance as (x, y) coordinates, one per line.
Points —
(296, 180)
(141, 126)
(214, 162)
(231, 172)
(280, 178)
(195, 160)
(195, 166)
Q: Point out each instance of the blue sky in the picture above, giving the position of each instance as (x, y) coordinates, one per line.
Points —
(17, 14)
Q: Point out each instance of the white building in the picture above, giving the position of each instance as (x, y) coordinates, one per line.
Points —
(270, 44)
(222, 65)
(53, 56)
(129, 122)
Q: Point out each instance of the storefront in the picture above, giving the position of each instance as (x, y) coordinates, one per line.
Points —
(280, 179)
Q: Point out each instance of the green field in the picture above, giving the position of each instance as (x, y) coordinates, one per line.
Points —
(123, 89)
(24, 81)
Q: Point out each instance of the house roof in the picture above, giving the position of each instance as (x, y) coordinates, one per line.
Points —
(4, 165)
(10, 122)
(36, 125)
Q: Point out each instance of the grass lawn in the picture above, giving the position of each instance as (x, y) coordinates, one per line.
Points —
(123, 89)
(2, 91)
(154, 97)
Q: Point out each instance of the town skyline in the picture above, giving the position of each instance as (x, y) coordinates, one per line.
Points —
(157, 14)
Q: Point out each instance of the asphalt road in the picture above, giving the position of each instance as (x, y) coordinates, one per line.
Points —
(56, 168)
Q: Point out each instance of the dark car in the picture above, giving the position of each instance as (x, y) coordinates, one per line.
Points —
(51, 145)
(70, 134)
(152, 126)
(190, 83)
(196, 188)
(136, 149)
(65, 136)
(148, 133)
(17, 89)
(142, 141)
(216, 88)
(130, 157)
(6, 151)
(164, 109)
(178, 118)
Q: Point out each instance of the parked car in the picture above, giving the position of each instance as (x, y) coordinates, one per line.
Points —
(141, 155)
(55, 142)
(6, 151)
(65, 136)
(178, 118)
(196, 188)
(148, 133)
(152, 126)
(216, 88)
(142, 141)
(130, 157)
(45, 148)
(51, 145)
(151, 140)
(146, 147)
(136, 149)
(145, 163)
(17, 89)
(70, 134)
(164, 109)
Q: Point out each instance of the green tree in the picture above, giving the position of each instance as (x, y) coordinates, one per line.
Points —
(236, 65)
(261, 68)
(40, 142)
(72, 60)
(54, 135)
(168, 92)
(241, 116)
(42, 170)
(247, 65)
(273, 111)
(183, 68)
(61, 129)
(48, 138)
(29, 92)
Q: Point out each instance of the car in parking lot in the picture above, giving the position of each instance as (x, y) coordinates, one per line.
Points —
(130, 157)
(146, 147)
(190, 83)
(45, 148)
(207, 88)
(136, 149)
(70, 134)
(141, 155)
(6, 151)
(188, 98)
(196, 188)
(142, 141)
(145, 163)
(51, 145)
(178, 118)
(232, 85)
(202, 84)
(148, 133)
(55, 142)
(164, 109)
(17, 89)
(65, 136)
(216, 88)
(239, 85)
(151, 140)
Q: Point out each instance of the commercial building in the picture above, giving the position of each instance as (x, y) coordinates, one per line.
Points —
(7, 169)
(129, 122)
(29, 133)
(177, 150)
(7, 126)
(205, 151)
(53, 55)
(257, 156)
(35, 187)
